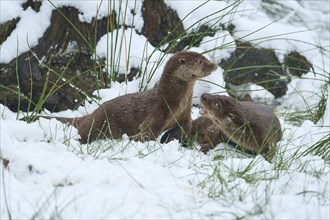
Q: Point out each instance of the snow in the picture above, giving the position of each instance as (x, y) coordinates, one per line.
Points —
(221, 40)
(141, 52)
(33, 24)
(192, 12)
(29, 29)
(11, 10)
(51, 175)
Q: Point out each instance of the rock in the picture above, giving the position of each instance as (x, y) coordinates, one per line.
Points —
(34, 4)
(129, 77)
(161, 23)
(58, 73)
(249, 64)
(6, 28)
(297, 64)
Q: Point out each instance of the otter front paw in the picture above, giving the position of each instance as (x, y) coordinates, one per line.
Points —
(206, 148)
(170, 135)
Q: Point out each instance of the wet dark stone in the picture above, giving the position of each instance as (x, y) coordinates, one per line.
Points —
(161, 23)
(34, 4)
(58, 73)
(297, 64)
(130, 76)
(6, 28)
(250, 64)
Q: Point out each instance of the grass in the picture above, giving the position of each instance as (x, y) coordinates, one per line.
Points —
(320, 148)
(313, 113)
(223, 179)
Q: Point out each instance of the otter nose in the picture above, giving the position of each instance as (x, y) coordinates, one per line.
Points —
(215, 66)
(204, 96)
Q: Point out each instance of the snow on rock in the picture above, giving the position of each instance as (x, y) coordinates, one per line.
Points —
(33, 25)
(29, 29)
(10, 10)
(140, 54)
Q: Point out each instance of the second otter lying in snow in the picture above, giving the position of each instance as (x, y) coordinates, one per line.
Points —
(250, 125)
(144, 115)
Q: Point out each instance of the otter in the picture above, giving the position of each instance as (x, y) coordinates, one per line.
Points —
(145, 115)
(252, 126)
(203, 130)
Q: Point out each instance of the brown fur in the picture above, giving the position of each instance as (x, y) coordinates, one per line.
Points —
(203, 130)
(250, 125)
(207, 133)
(144, 115)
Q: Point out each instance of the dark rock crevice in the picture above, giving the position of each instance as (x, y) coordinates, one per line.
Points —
(161, 23)
(62, 59)
(6, 28)
(34, 4)
(249, 64)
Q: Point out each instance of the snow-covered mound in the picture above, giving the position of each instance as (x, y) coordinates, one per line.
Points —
(47, 173)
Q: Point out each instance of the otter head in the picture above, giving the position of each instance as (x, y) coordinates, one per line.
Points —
(223, 110)
(189, 66)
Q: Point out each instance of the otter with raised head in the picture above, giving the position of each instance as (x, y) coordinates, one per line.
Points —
(144, 115)
(250, 125)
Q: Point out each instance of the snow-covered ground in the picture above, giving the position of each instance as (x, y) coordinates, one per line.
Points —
(46, 173)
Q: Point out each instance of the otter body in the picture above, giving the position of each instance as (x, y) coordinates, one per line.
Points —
(144, 115)
(250, 125)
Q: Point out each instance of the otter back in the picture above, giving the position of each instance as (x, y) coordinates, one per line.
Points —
(144, 115)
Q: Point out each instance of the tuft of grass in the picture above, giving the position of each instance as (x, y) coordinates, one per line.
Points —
(312, 113)
(97, 148)
(51, 208)
(49, 88)
(320, 148)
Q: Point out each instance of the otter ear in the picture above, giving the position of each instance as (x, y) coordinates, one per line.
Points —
(182, 61)
(232, 116)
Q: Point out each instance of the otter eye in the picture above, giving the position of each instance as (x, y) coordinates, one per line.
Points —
(216, 104)
(182, 61)
(199, 61)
